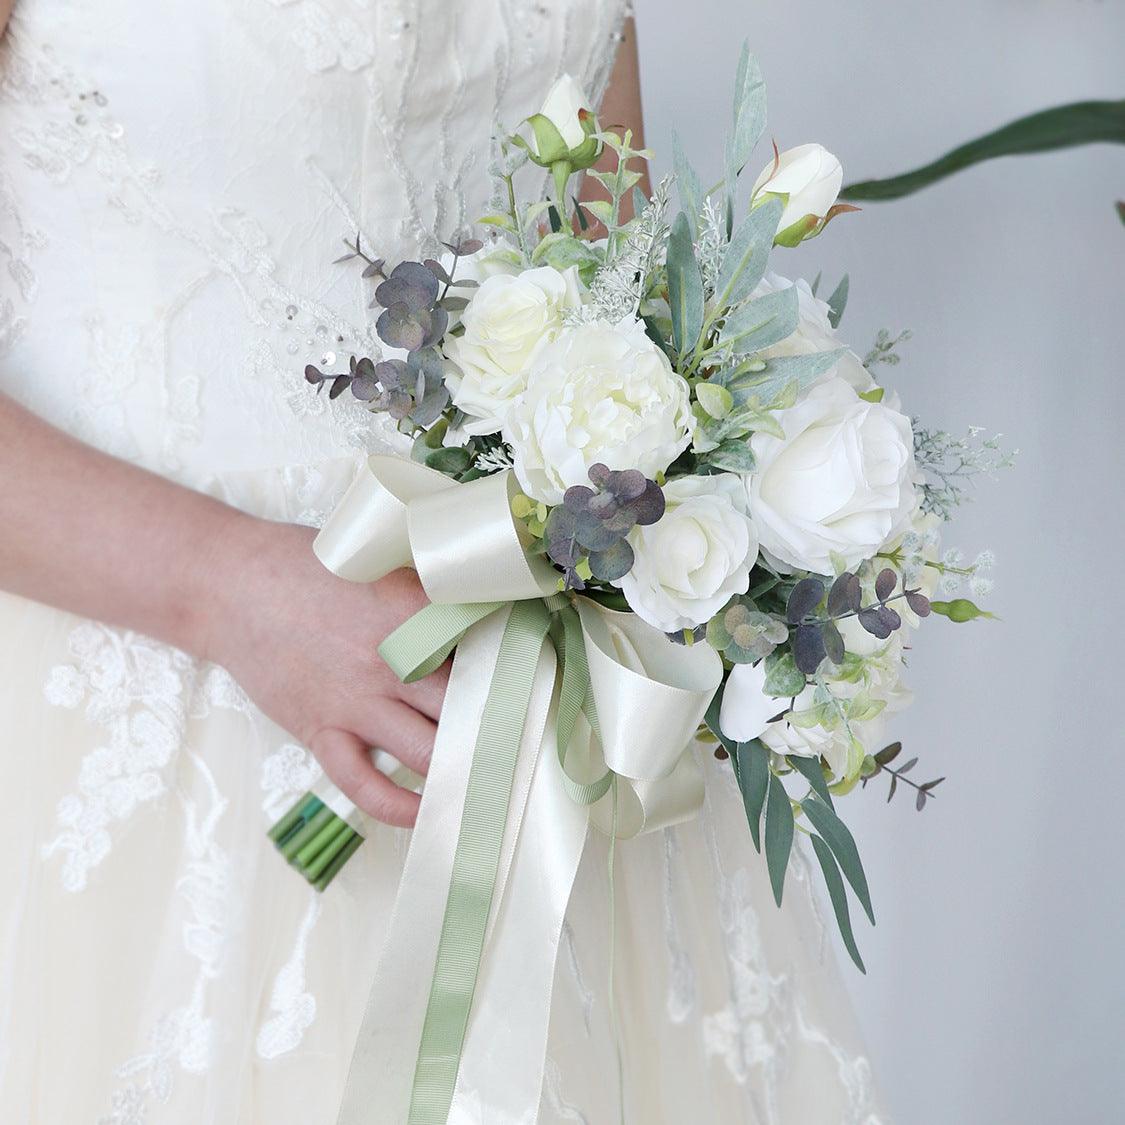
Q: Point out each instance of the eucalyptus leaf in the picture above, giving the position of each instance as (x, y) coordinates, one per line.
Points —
(783, 371)
(811, 770)
(761, 322)
(837, 302)
(840, 840)
(839, 898)
(687, 183)
(715, 399)
(733, 456)
(746, 255)
(778, 834)
(753, 780)
(783, 678)
(450, 460)
(685, 286)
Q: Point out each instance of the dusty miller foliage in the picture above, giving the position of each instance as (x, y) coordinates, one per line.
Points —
(710, 245)
(621, 284)
(951, 464)
(885, 348)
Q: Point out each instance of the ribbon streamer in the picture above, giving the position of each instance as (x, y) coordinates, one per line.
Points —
(496, 859)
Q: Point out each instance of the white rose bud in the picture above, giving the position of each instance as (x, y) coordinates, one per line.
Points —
(597, 392)
(807, 179)
(838, 487)
(506, 319)
(690, 563)
(564, 101)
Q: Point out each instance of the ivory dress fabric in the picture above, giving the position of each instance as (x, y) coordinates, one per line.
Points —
(175, 179)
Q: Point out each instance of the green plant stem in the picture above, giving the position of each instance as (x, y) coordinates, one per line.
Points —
(333, 869)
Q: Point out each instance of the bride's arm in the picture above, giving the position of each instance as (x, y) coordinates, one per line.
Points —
(87, 533)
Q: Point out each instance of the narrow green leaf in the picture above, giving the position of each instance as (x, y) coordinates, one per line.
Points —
(838, 302)
(840, 840)
(839, 898)
(779, 834)
(1061, 126)
(749, 109)
(761, 322)
(781, 371)
(687, 183)
(753, 779)
(814, 775)
(685, 286)
(746, 255)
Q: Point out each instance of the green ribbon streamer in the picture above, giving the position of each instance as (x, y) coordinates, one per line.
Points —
(414, 650)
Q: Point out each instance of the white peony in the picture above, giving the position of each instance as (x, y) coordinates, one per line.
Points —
(808, 178)
(596, 393)
(506, 319)
(690, 563)
(838, 487)
(561, 106)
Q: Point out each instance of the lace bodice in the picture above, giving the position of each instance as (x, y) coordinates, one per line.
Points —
(176, 179)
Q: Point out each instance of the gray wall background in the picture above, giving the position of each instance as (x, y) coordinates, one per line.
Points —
(996, 974)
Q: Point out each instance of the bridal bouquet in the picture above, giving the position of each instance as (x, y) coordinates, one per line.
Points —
(647, 472)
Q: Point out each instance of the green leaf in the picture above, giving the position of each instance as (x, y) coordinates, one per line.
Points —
(778, 835)
(451, 460)
(814, 775)
(715, 399)
(840, 840)
(961, 610)
(746, 255)
(838, 302)
(782, 370)
(783, 678)
(1059, 127)
(839, 897)
(873, 395)
(685, 287)
(687, 183)
(749, 110)
(753, 779)
(733, 456)
(761, 322)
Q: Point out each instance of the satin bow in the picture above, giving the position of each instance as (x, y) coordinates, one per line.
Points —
(626, 706)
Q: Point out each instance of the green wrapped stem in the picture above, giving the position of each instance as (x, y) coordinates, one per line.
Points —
(314, 840)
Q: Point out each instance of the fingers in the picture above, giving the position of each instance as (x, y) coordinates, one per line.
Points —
(428, 694)
(402, 732)
(345, 759)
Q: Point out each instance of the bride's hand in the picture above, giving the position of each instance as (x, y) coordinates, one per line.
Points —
(303, 644)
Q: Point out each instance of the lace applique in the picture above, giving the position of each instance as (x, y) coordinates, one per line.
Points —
(185, 1037)
(552, 1096)
(135, 690)
(329, 40)
(286, 773)
(294, 1009)
(854, 1072)
(680, 1001)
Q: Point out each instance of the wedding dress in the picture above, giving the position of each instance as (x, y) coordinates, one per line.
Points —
(175, 179)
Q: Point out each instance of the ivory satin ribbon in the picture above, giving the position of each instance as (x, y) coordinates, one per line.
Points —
(645, 697)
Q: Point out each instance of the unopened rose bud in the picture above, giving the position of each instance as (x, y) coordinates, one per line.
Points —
(807, 179)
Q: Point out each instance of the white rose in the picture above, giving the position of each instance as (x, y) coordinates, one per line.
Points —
(596, 393)
(746, 712)
(506, 319)
(561, 105)
(842, 483)
(746, 708)
(808, 178)
(783, 737)
(814, 333)
(690, 563)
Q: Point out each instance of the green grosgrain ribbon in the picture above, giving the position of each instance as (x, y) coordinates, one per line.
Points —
(641, 698)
